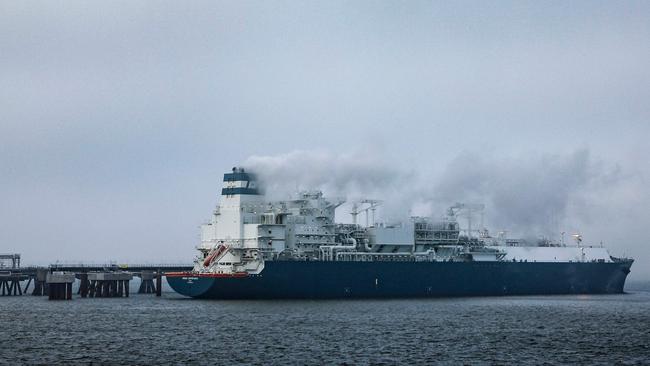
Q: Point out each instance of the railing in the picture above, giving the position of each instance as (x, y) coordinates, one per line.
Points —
(371, 257)
(127, 266)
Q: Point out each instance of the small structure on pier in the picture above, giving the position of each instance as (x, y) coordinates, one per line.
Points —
(10, 276)
(9, 261)
(60, 285)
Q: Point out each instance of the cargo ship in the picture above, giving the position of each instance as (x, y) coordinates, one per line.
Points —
(254, 248)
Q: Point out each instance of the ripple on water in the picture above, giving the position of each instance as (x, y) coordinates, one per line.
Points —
(143, 329)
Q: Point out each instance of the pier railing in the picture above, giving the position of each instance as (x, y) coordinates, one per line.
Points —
(81, 267)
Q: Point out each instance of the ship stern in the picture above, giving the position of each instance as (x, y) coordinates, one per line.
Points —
(189, 284)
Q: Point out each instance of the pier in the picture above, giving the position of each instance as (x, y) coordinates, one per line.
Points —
(10, 284)
(95, 281)
(10, 279)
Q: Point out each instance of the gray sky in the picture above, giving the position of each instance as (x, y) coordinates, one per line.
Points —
(117, 119)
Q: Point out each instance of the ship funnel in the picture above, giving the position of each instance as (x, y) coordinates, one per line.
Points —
(239, 183)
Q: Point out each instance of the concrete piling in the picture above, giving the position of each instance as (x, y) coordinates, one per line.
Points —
(147, 286)
(29, 281)
(83, 286)
(158, 283)
(60, 285)
(109, 284)
(41, 287)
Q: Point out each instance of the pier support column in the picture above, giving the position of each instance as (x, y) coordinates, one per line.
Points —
(109, 284)
(106, 288)
(83, 287)
(147, 286)
(41, 286)
(10, 284)
(92, 288)
(60, 285)
(29, 281)
(159, 283)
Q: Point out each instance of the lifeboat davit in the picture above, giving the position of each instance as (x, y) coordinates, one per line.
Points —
(215, 254)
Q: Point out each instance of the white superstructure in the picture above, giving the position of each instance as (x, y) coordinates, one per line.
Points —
(246, 230)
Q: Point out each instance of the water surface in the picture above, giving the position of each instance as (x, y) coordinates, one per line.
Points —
(143, 329)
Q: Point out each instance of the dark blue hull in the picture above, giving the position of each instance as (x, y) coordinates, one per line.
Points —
(323, 280)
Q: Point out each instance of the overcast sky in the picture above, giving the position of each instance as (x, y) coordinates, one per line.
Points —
(118, 119)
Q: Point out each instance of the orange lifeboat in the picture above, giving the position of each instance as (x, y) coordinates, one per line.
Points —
(216, 253)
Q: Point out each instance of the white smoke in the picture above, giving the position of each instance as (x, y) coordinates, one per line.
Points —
(532, 195)
(343, 174)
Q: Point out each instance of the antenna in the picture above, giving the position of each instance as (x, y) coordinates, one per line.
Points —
(578, 238)
(467, 210)
(354, 212)
(372, 206)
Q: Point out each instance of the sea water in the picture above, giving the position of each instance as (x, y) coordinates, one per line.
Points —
(144, 329)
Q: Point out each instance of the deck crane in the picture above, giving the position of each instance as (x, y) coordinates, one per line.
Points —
(467, 210)
(358, 207)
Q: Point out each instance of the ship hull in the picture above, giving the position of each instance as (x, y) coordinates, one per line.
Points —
(328, 280)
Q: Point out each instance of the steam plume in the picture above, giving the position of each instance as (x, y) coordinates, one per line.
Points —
(530, 195)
